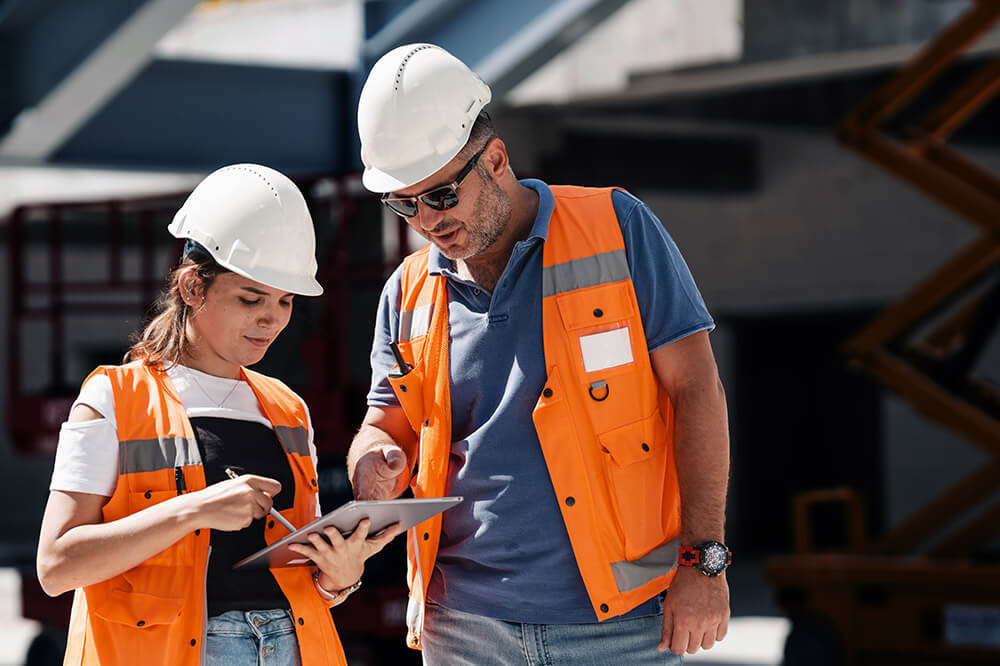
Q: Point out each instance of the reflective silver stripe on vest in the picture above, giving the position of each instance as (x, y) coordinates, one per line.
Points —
(414, 323)
(630, 575)
(293, 439)
(585, 272)
(151, 455)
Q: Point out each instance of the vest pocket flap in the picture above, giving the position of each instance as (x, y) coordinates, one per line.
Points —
(409, 392)
(136, 609)
(595, 306)
(636, 441)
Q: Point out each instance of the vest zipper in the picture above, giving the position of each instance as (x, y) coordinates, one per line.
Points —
(179, 480)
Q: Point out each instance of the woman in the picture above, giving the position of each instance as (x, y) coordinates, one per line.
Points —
(142, 513)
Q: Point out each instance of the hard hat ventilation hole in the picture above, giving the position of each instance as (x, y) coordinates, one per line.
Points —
(261, 176)
(402, 65)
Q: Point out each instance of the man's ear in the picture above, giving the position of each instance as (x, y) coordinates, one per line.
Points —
(495, 158)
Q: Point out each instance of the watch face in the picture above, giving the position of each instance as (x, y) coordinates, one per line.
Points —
(714, 558)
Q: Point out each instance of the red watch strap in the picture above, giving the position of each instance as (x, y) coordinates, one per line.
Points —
(688, 556)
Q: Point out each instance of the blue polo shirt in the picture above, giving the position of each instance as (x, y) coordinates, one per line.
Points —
(504, 551)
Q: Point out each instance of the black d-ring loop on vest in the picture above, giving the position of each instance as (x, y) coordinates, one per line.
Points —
(600, 385)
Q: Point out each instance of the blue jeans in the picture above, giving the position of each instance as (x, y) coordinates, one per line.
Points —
(454, 638)
(252, 638)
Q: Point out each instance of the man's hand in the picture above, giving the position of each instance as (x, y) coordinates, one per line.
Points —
(377, 463)
(695, 612)
(380, 473)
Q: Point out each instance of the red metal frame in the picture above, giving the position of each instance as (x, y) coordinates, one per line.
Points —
(34, 417)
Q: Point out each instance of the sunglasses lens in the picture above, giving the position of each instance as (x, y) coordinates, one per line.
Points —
(442, 198)
(404, 207)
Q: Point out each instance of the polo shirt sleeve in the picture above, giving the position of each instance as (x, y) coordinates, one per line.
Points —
(670, 304)
(382, 361)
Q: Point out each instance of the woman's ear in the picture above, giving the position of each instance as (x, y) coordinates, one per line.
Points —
(190, 287)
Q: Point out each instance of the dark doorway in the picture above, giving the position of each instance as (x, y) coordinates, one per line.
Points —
(802, 419)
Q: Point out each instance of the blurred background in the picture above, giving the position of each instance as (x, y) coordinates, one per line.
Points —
(828, 169)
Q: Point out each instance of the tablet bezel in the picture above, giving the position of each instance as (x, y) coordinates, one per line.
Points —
(382, 513)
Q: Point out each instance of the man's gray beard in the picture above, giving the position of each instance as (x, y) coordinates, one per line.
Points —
(492, 210)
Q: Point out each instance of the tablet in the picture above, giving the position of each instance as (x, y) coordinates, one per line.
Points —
(381, 513)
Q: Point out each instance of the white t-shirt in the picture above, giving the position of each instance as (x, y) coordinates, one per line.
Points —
(87, 454)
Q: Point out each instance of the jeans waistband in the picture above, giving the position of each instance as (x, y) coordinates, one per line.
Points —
(258, 623)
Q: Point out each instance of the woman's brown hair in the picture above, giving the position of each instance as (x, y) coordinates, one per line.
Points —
(164, 339)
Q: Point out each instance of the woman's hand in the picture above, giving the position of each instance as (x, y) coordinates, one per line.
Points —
(342, 561)
(233, 504)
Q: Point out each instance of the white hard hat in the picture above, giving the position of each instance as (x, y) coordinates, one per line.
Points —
(254, 221)
(415, 114)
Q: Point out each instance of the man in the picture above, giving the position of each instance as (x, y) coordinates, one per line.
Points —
(546, 357)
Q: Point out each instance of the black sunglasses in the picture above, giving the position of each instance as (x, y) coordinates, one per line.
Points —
(442, 197)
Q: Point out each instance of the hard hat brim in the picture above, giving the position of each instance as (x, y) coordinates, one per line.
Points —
(300, 285)
(376, 180)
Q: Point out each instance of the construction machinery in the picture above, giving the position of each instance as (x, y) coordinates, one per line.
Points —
(928, 590)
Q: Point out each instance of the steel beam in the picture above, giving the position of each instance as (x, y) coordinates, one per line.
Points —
(502, 40)
(39, 132)
(198, 116)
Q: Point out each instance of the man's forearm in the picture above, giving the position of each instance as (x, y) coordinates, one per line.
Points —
(701, 445)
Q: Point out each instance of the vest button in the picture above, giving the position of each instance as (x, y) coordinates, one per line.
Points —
(402, 387)
(604, 608)
(301, 621)
(598, 312)
(270, 524)
(426, 536)
(140, 623)
(547, 393)
(148, 494)
(645, 446)
(193, 642)
(313, 481)
(197, 532)
(570, 501)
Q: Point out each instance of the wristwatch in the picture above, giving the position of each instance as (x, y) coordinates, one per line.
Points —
(711, 557)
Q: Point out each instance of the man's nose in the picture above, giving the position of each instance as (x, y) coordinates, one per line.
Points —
(427, 218)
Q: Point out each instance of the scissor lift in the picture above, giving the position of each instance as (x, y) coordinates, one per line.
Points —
(928, 590)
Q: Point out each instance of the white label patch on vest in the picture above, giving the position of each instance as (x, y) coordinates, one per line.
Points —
(606, 350)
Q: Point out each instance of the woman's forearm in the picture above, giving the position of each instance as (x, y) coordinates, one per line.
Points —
(91, 553)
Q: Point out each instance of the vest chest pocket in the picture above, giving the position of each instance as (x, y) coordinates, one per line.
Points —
(601, 332)
(595, 306)
(635, 459)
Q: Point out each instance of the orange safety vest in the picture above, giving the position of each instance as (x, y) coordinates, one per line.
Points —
(155, 612)
(606, 434)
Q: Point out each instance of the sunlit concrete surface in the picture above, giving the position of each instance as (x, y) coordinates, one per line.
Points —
(643, 35)
(287, 33)
(16, 633)
(24, 185)
(751, 641)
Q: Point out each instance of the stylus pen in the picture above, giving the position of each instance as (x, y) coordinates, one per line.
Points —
(280, 518)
